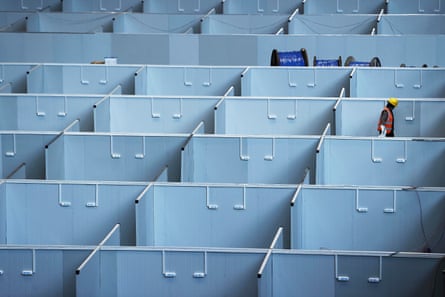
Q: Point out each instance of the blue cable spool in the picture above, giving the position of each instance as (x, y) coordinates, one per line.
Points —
(290, 58)
(350, 61)
(328, 63)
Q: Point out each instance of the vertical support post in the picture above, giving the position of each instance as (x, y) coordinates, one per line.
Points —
(394, 200)
(291, 83)
(270, 116)
(244, 205)
(38, 112)
(186, 81)
(105, 80)
(338, 277)
(142, 154)
(14, 148)
(208, 204)
(32, 271)
(373, 157)
(272, 156)
(95, 203)
(83, 81)
(167, 274)
(179, 115)
(241, 153)
(294, 115)
(153, 114)
(65, 108)
(61, 202)
(114, 155)
(357, 203)
(202, 274)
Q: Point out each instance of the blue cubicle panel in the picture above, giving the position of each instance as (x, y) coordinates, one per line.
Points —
(187, 80)
(244, 24)
(50, 213)
(260, 7)
(332, 24)
(101, 5)
(411, 24)
(18, 147)
(398, 82)
(413, 117)
(212, 216)
(416, 6)
(81, 78)
(28, 5)
(114, 157)
(295, 81)
(157, 23)
(247, 159)
(369, 219)
(70, 22)
(154, 114)
(175, 272)
(212, 49)
(267, 116)
(381, 161)
(36, 271)
(313, 7)
(181, 6)
(351, 274)
(43, 112)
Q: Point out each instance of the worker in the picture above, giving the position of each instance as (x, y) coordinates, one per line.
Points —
(386, 120)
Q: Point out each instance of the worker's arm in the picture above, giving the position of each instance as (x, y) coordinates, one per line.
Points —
(383, 118)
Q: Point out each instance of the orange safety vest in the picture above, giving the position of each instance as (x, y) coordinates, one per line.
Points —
(388, 123)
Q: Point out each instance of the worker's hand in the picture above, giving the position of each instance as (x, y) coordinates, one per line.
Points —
(382, 131)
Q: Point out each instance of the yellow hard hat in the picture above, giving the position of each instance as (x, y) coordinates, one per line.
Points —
(393, 101)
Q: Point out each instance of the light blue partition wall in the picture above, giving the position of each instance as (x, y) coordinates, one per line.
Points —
(70, 22)
(157, 23)
(332, 24)
(13, 76)
(247, 159)
(114, 157)
(24, 147)
(411, 24)
(212, 216)
(210, 49)
(295, 81)
(187, 80)
(381, 161)
(181, 7)
(334, 273)
(36, 271)
(416, 6)
(49, 213)
(81, 78)
(369, 219)
(243, 24)
(174, 272)
(158, 114)
(282, 116)
(101, 5)
(398, 82)
(260, 6)
(13, 21)
(45, 112)
(413, 117)
(27, 5)
(343, 6)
